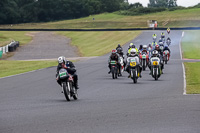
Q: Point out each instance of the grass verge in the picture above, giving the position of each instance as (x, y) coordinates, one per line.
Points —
(7, 36)
(8, 68)
(192, 77)
(191, 45)
(99, 43)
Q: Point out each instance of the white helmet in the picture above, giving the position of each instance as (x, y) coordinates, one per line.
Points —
(131, 44)
(133, 52)
(155, 53)
(61, 59)
(145, 47)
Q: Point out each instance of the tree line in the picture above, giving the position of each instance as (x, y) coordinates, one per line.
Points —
(24, 11)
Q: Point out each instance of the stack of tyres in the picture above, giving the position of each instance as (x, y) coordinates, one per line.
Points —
(12, 47)
(17, 43)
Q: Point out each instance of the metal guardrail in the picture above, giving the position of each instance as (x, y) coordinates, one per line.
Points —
(123, 29)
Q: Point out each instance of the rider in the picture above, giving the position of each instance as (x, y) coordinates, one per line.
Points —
(133, 53)
(144, 48)
(114, 56)
(154, 44)
(160, 54)
(132, 47)
(169, 40)
(160, 40)
(154, 35)
(140, 47)
(119, 46)
(167, 48)
(155, 54)
(69, 66)
(120, 51)
(162, 35)
(168, 30)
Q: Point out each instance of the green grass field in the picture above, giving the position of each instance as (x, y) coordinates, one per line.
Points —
(99, 43)
(177, 18)
(191, 45)
(7, 36)
(192, 77)
(8, 68)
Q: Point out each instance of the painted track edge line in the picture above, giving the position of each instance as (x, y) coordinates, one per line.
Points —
(22, 73)
(184, 76)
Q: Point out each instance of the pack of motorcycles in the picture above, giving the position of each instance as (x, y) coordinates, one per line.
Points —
(153, 63)
(145, 59)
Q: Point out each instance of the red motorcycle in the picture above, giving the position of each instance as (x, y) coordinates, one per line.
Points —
(144, 59)
(166, 56)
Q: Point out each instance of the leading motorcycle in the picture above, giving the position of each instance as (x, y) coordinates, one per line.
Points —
(134, 72)
(67, 83)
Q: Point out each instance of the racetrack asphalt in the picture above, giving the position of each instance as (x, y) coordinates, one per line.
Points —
(33, 102)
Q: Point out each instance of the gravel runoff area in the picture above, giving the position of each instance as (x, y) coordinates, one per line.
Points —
(45, 45)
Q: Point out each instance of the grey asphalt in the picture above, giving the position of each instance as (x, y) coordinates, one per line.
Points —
(45, 45)
(33, 102)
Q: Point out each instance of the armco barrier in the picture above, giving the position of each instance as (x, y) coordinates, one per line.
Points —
(125, 29)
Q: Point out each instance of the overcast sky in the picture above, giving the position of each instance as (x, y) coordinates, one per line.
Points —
(185, 3)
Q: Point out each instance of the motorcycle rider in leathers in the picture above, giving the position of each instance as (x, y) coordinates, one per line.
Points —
(69, 66)
(133, 53)
(114, 56)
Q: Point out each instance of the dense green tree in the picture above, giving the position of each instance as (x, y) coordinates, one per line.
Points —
(20, 11)
(162, 3)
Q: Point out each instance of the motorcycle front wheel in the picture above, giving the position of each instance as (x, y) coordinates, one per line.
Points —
(66, 91)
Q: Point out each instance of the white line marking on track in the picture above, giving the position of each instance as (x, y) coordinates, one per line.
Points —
(184, 80)
(184, 77)
(22, 73)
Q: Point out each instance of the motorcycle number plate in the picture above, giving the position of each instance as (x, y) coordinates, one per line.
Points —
(155, 63)
(132, 64)
(144, 56)
(63, 74)
(113, 62)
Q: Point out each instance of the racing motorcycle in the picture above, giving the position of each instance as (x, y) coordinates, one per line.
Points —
(114, 69)
(165, 56)
(155, 67)
(67, 83)
(144, 60)
(134, 72)
(154, 39)
(168, 42)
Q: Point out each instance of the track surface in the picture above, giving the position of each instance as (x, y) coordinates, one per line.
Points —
(32, 103)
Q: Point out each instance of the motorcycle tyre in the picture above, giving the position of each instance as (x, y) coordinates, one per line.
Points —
(66, 92)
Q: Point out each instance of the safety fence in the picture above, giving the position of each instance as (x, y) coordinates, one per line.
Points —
(11, 47)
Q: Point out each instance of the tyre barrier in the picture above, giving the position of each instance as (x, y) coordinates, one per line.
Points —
(9, 48)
